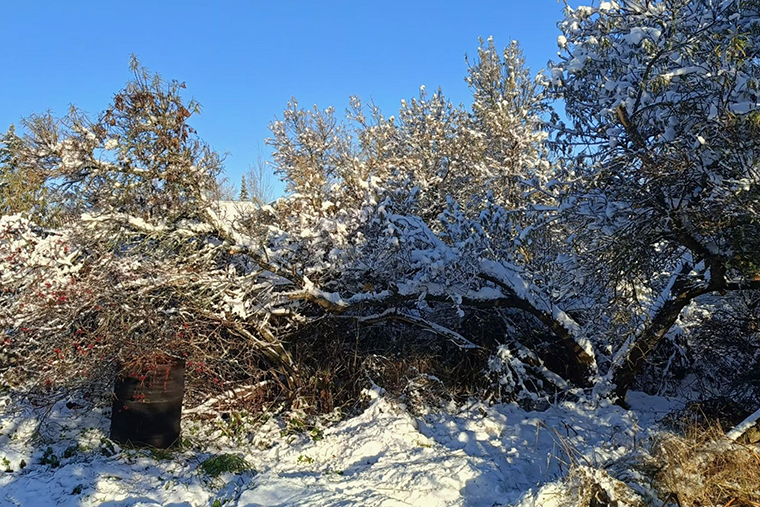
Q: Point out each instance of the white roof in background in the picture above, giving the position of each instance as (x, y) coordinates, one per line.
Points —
(231, 211)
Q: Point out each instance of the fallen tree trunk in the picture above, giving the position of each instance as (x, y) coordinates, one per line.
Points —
(747, 431)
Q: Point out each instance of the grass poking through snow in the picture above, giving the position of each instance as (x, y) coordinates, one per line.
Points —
(224, 463)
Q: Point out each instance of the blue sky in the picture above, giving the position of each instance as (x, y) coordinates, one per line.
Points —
(244, 60)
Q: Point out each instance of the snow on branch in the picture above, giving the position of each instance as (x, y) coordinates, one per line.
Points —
(737, 432)
(508, 276)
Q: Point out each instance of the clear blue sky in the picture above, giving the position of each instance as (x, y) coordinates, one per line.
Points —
(244, 60)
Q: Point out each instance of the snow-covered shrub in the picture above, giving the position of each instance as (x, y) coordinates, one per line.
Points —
(595, 487)
(38, 271)
(79, 308)
(712, 352)
(140, 264)
(588, 486)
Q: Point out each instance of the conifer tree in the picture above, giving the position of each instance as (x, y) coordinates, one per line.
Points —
(21, 186)
(663, 100)
(244, 189)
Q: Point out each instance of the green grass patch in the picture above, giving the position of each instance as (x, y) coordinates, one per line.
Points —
(49, 458)
(224, 463)
(71, 451)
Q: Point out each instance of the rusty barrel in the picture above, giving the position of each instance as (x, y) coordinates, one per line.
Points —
(147, 406)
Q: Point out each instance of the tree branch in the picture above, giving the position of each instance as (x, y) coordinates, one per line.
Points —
(396, 315)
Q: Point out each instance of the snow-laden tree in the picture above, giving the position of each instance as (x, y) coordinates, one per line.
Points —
(139, 157)
(140, 262)
(507, 119)
(663, 105)
(425, 216)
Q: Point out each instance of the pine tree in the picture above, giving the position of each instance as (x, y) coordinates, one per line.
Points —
(140, 157)
(244, 189)
(21, 186)
(662, 99)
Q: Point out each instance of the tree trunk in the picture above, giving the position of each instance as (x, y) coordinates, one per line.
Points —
(582, 364)
(625, 370)
(581, 368)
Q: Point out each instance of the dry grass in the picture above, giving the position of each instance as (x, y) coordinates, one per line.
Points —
(587, 486)
(704, 468)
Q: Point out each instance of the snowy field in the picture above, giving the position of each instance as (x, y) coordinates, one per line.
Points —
(474, 455)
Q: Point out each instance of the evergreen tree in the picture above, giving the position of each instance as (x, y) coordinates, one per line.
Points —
(21, 186)
(664, 142)
(244, 189)
(140, 157)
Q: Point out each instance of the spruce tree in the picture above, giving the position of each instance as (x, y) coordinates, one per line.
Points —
(244, 189)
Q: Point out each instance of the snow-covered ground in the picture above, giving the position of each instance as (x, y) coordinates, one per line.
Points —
(475, 455)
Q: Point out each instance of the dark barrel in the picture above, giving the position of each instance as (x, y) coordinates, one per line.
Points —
(147, 407)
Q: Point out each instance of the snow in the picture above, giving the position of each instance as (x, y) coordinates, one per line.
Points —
(744, 426)
(605, 6)
(665, 294)
(743, 107)
(635, 36)
(509, 275)
(475, 455)
(136, 222)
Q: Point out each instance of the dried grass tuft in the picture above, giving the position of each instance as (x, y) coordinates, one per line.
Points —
(593, 487)
(703, 468)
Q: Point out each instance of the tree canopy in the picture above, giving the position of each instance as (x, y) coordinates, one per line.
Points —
(554, 254)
